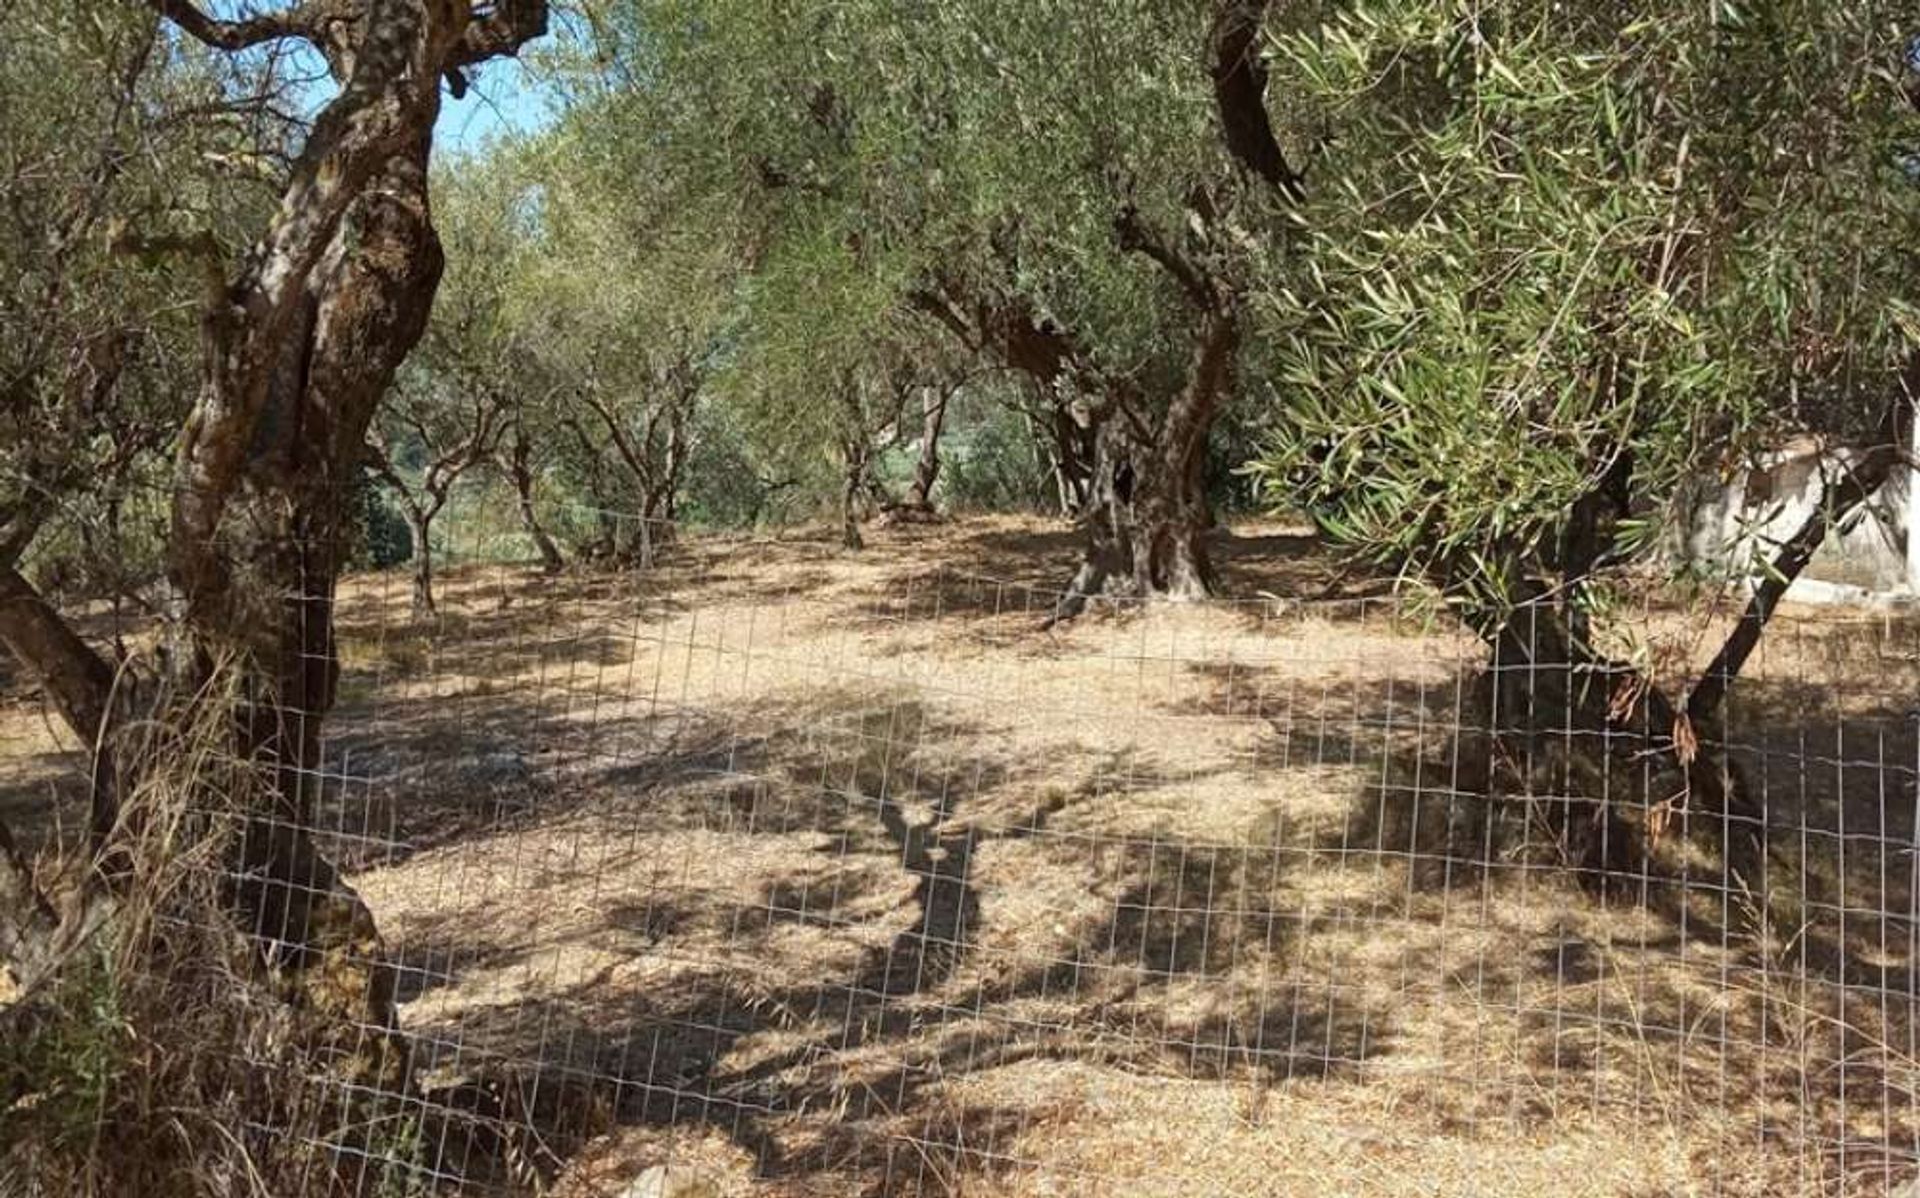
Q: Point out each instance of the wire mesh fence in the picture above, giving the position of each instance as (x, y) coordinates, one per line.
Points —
(789, 871)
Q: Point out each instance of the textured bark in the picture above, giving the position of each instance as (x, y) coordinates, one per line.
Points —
(676, 461)
(1165, 515)
(853, 455)
(1552, 697)
(1580, 731)
(28, 926)
(1073, 455)
(304, 289)
(660, 505)
(255, 339)
(366, 312)
(1157, 522)
(1170, 517)
(298, 348)
(1240, 91)
(284, 539)
(856, 459)
(1107, 553)
(420, 526)
(1614, 759)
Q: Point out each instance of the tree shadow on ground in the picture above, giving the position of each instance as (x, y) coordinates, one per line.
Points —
(1193, 959)
(1043, 558)
(1783, 1002)
(1012, 580)
(836, 1069)
(1189, 959)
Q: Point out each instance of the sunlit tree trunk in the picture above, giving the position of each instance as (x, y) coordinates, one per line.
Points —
(926, 469)
(852, 489)
(1169, 510)
(518, 464)
(420, 525)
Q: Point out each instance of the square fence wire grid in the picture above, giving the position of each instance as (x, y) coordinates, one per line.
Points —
(809, 873)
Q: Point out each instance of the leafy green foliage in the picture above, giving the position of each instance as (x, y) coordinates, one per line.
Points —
(1549, 261)
(847, 161)
(129, 166)
(992, 457)
(1569, 248)
(379, 538)
(61, 1070)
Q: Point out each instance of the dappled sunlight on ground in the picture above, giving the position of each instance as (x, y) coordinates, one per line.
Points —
(825, 873)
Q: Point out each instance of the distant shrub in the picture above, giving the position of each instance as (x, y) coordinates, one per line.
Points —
(378, 537)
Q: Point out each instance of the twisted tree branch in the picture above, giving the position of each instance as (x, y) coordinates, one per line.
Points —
(1240, 94)
(301, 21)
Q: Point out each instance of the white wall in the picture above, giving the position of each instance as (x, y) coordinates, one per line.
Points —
(1727, 529)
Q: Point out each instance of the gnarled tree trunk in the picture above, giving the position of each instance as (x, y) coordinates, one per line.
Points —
(1170, 518)
(299, 347)
(853, 486)
(1146, 517)
(1554, 704)
(518, 465)
(364, 312)
(1152, 513)
(926, 468)
(299, 344)
(1074, 454)
(420, 525)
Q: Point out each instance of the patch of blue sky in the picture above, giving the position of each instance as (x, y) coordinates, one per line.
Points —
(504, 99)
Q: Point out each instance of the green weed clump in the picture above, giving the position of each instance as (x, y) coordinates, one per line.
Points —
(169, 1055)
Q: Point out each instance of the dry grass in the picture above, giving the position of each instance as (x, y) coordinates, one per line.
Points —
(829, 874)
(163, 1056)
(843, 859)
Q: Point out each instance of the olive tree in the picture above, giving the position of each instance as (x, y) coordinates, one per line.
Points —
(1575, 259)
(622, 290)
(476, 379)
(300, 331)
(1082, 196)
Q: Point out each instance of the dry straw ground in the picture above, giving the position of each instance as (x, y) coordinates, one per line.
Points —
(828, 874)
